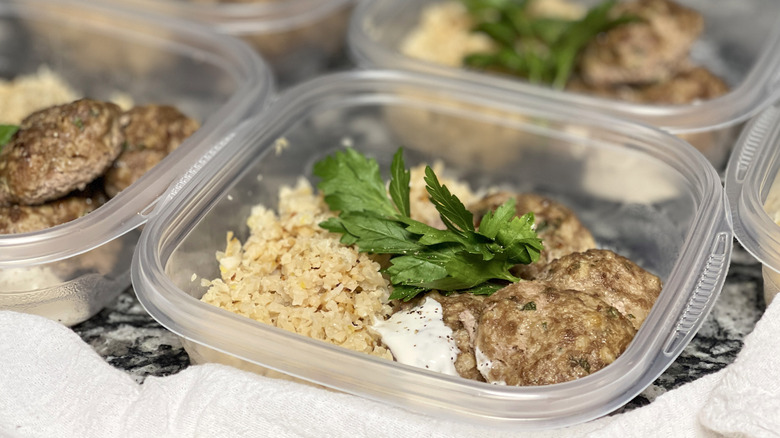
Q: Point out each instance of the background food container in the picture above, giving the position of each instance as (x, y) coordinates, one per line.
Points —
(740, 43)
(753, 191)
(70, 272)
(643, 192)
(298, 38)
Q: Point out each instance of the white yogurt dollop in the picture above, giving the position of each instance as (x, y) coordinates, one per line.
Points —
(420, 338)
(484, 365)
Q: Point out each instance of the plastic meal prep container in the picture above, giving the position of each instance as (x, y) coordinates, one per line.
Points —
(69, 272)
(753, 191)
(740, 43)
(644, 193)
(298, 38)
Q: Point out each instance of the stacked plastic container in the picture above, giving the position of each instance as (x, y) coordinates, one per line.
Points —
(643, 192)
(753, 191)
(298, 38)
(70, 272)
(740, 43)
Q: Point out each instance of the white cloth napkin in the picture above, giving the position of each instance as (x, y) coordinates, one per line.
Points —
(52, 384)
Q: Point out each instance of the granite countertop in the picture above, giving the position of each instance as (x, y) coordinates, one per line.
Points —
(129, 339)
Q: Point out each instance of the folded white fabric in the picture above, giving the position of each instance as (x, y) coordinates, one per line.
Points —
(54, 384)
(746, 402)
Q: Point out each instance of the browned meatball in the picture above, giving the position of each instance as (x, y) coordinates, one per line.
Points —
(696, 83)
(558, 227)
(689, 86)
(27, 218)
(649, 50)
(151, 133)
(461, 313)
(532, 334)
(613, 278)
(58, 150)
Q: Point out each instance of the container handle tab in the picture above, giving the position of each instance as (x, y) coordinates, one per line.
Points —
(753, 140)
(710, 281)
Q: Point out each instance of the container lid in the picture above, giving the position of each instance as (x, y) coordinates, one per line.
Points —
(242, 17)
(249, 75)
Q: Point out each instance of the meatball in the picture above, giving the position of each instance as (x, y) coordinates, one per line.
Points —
(613, 278)
(650, 49)
(530, 333)
(58, 150)
(558, 227)
(691, 85)
(460, 313)
(151, 133)
(27, 218)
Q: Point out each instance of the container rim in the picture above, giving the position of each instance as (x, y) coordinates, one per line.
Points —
(558, 405)
(758, 90)
(748, 180)
(127, 211)
(243, 18)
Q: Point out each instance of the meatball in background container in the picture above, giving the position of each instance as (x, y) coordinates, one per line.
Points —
(660, 205)
(726, 44)
(298, 38)
(753, 190)
(55, 52)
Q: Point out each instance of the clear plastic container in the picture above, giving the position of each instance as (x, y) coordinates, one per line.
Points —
(69, 272)
(740, 43)
(753, 191)
(298, 38)
(643, 192)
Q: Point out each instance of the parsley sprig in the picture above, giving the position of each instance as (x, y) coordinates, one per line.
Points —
(461, 258)
(541, 50)
(6, 133)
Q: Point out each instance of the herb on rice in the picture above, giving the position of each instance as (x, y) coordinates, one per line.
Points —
(540, 49)
(460, 258)
(6, 133)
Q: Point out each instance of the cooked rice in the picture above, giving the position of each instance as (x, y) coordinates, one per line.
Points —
(26, 94)
(292, 274)
(444, 35)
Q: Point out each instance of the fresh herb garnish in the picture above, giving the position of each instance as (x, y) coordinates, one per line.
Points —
(539, 49)
(6, 133)
(460, 258)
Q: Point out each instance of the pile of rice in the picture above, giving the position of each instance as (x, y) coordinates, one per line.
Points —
(26, 94)
(292, 274)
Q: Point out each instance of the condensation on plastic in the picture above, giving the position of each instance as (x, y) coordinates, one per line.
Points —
(643, 192)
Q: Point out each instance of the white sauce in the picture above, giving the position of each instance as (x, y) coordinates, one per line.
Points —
(484, 365)
(419, 337)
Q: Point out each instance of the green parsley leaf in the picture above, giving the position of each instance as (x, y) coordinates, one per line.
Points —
(399, 184)
(453, 213)
(541, 50)
(377, 220)
(351, 182)
(6, 133)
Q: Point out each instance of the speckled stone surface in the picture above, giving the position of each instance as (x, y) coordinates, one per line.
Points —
(129, 339)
